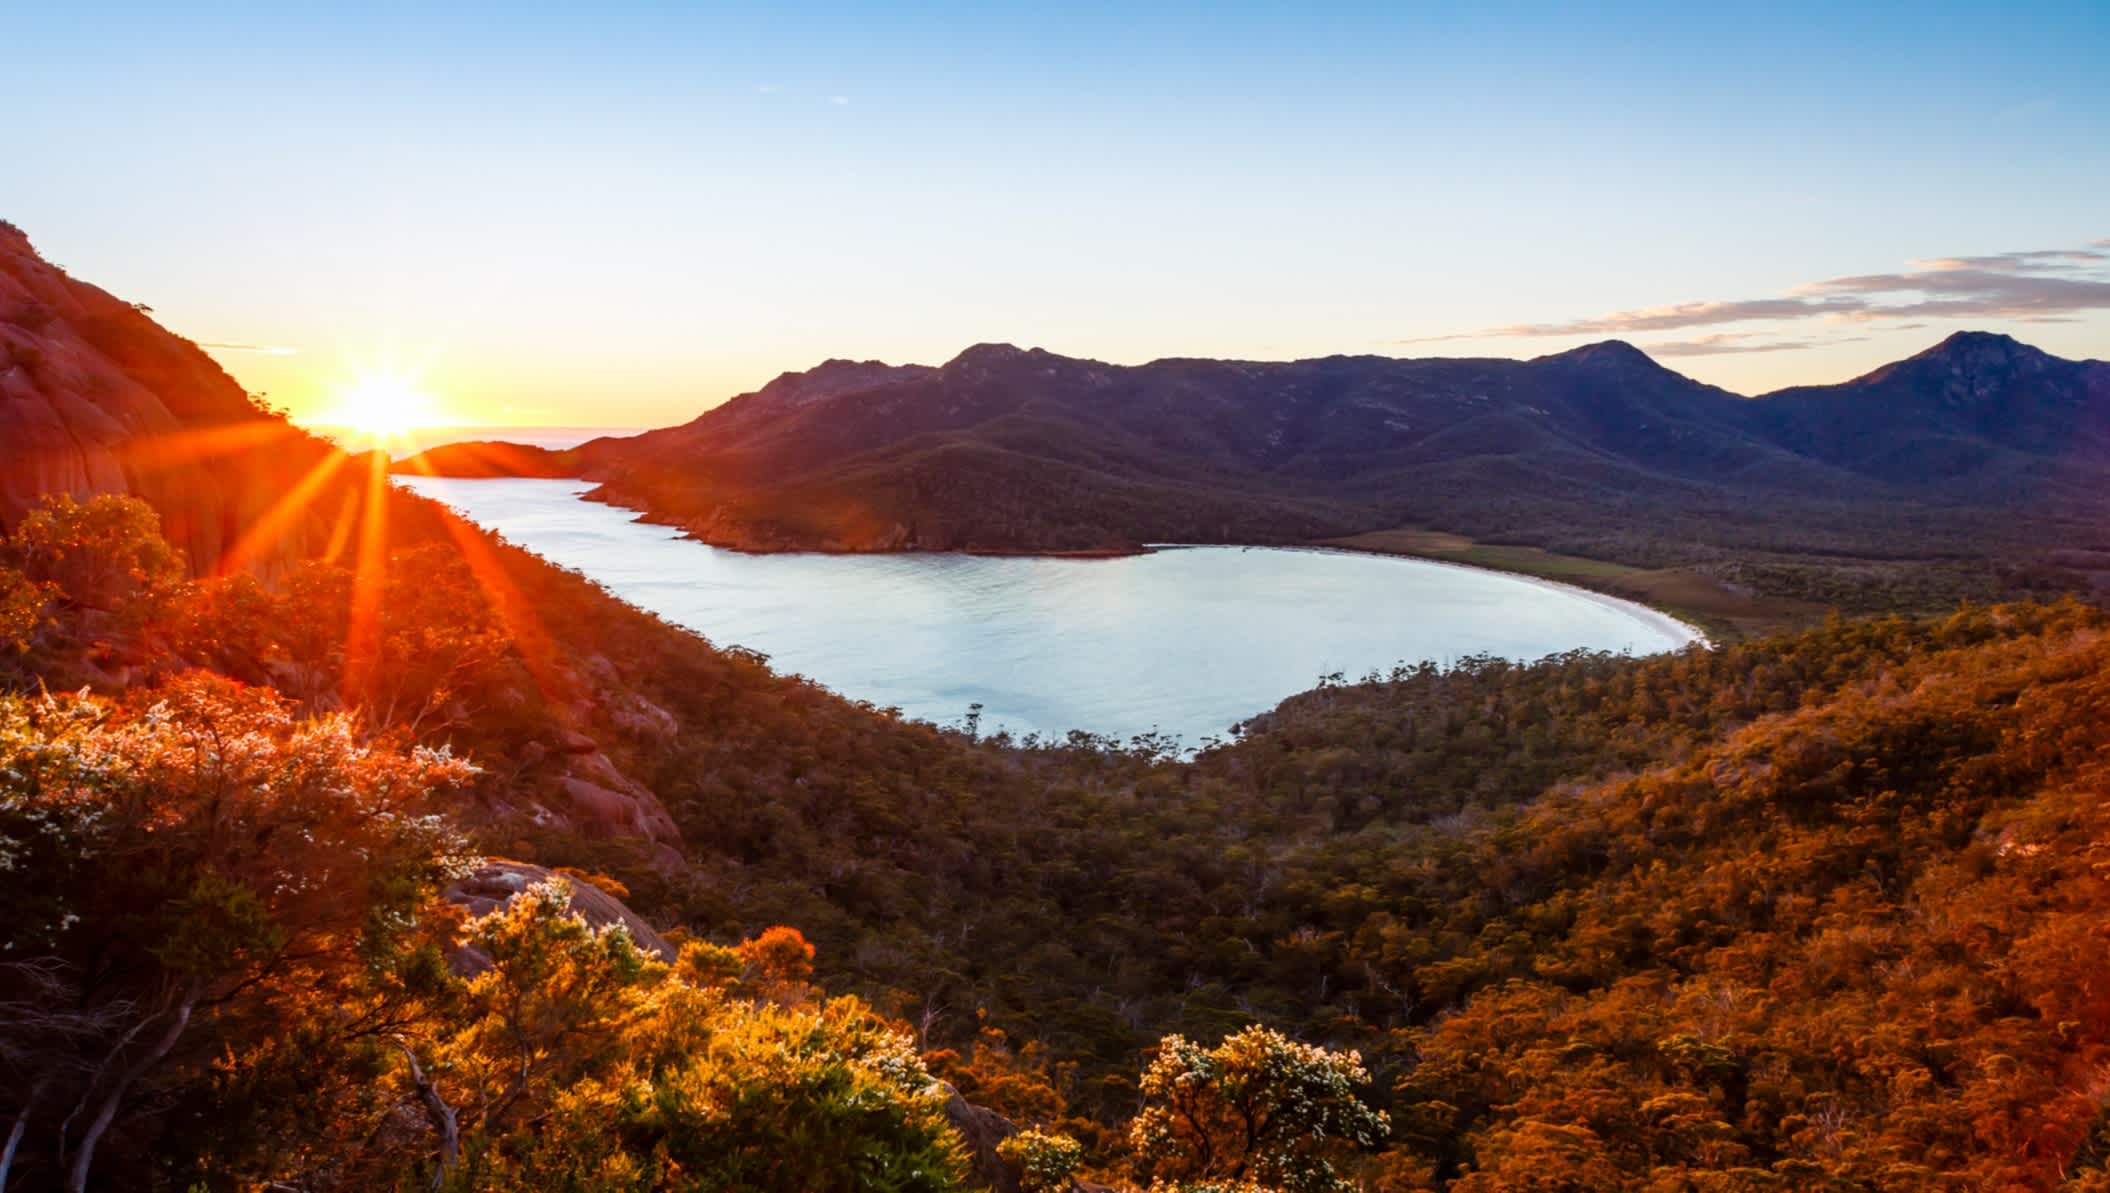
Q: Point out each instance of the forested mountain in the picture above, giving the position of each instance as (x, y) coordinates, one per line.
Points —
(1980, 449)
(1818, 911)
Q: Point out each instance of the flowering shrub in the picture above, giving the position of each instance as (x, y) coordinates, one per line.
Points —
(1258, 1108)
(1045, 1160)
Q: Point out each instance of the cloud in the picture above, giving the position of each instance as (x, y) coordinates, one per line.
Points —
(1734, 341)
(259, 349)
(1965, 291)
(839, 100)
(2042, 259)
(1684, 314)
(2039, 286)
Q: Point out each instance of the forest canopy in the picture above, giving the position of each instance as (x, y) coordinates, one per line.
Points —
(1815, 911)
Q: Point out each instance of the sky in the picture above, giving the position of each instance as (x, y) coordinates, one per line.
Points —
(621, 214)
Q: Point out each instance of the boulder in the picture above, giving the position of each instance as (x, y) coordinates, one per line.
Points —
(612, 804)
(497, 882)
(982, 1129)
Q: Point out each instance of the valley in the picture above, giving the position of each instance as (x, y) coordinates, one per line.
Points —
(1015, 598)
(1674, 917)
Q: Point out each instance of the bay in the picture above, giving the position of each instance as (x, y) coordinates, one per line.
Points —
(1184, 641)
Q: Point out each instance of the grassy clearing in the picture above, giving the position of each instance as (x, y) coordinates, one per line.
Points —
(1726, 614)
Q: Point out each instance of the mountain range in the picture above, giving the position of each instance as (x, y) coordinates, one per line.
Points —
(1979, 448)
(1823, 910)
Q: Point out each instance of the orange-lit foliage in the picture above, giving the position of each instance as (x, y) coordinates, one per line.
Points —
(779, 963)
(191, 873)
(1820, 908)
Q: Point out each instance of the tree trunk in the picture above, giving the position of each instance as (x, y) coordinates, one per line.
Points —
(439, 1114)
(21, 1127)
(77, 1176)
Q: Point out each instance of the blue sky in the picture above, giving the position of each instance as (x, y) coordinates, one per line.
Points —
(619, 214)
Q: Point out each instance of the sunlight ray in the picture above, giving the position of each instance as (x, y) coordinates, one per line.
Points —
(267, 530)
(362, 640)
(538, 650)
(202, 444)
(341, 529)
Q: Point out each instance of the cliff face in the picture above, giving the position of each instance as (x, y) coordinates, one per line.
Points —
(97, 398)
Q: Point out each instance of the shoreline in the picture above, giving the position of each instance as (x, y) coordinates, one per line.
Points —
(1661, 620)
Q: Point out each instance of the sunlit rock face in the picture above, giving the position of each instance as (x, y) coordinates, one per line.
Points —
(95, 397)
(497, 882)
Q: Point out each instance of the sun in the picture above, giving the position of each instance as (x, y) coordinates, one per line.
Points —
(383, 405)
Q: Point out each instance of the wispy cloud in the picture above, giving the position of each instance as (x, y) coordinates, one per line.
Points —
(259, 349)
(2039, 286)
(1723, 343)
(1667, 318)
(839, 100)
(2042, 260)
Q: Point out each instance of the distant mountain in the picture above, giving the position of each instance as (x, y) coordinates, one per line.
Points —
(1599, 451)
(1976, 418)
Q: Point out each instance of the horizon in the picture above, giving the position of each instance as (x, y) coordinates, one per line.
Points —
(538, 223)
(974, 598)
(424, 437)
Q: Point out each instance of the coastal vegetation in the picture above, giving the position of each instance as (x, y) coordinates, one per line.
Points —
(1817, 909)
(1810, 909)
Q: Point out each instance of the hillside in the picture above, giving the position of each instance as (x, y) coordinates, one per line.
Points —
(1975, 469)
(1817, 911)
(95, 398)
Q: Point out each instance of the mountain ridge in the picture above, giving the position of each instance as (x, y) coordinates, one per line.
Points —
(1979, 447)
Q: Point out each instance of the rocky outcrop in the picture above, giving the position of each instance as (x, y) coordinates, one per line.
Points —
(95, 397)
(498, 882)
(981, 1130)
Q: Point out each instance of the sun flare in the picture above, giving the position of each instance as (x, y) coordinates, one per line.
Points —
(384, 406)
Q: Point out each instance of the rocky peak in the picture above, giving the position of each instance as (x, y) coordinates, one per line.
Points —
(984, 357)
(1014, 366)
(991, 352)
(1607, 356)
(95, 397)
(833, 377)
(1980, 369)
(1983, 351)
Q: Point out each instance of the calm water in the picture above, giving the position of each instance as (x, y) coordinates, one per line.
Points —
(1185, 641)
(424, 438)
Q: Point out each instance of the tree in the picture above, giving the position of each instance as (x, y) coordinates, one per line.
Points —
(183, 878)
(24, 609)
(1045, 1161)
(810, 1099)
(578, 1062)
(105, 554)
(1258, 1109)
